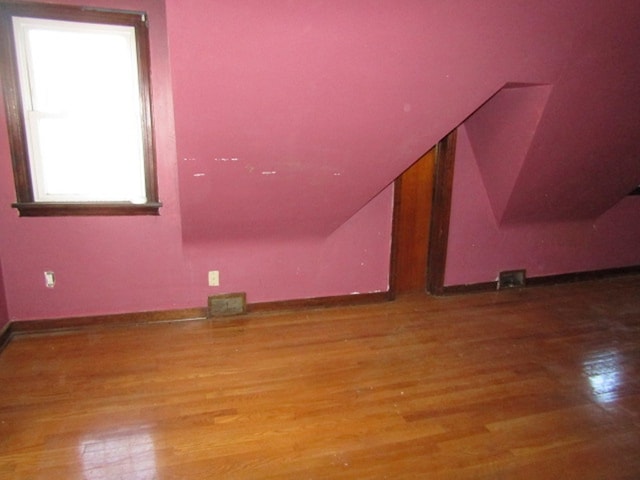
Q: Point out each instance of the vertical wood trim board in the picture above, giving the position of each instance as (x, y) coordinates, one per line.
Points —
(439, 237)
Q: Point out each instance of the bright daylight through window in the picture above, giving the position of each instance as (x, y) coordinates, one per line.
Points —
(76, 87)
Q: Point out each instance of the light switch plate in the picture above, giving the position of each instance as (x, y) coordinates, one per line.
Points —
(214, 278)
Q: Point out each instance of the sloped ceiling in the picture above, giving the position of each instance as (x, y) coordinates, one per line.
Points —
(291, 116)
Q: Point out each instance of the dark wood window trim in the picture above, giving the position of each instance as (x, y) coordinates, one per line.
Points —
(26, 203)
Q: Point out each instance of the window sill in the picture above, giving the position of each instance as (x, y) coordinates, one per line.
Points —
(60, 209)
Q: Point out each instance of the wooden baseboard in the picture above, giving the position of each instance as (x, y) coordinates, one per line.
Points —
(584, 276)
(58, 324)
(5, 336)
(547, 280)
(321, 302)
(39, 326)
(471, 288)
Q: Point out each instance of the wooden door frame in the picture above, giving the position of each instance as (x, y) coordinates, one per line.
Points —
(440, 219)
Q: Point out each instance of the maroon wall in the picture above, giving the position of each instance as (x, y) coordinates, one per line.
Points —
(281, 125)
(480, 247)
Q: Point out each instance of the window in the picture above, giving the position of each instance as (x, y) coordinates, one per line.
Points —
(77, 95)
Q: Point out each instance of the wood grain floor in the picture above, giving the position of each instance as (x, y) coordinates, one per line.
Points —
(535, 383)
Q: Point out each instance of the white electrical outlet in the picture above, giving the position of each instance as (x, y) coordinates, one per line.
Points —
(49, 279)
(214, 278)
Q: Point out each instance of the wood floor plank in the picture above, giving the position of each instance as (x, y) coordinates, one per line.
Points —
(530, 383)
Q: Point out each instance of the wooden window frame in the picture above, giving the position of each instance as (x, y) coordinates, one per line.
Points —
(26, 203)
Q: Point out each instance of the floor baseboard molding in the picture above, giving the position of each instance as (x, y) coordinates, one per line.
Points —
(40, 326)
(584, 276)
(469, 288)
(547, 280)
(321, 302)
(5, 335)
(26, 327)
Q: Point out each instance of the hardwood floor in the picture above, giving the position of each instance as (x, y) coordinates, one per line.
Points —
(534, 383)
